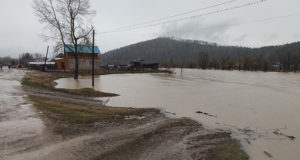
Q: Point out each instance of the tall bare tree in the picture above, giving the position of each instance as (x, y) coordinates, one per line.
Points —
(69, 22)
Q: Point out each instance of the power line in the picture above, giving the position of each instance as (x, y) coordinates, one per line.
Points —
(176, 15)
(270, 18)
(251, 22)
(190, 17)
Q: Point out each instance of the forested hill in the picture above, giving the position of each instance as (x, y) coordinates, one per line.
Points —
(189, 53)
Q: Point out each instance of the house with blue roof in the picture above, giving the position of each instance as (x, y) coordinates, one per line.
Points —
(66, 60)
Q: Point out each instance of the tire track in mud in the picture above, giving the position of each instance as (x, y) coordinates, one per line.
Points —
(167, 139)
(20, 127)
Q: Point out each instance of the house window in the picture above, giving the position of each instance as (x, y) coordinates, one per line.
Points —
(89, 62)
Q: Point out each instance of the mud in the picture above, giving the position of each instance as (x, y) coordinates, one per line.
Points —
(20, 126)
(167, 139)
(26, 134)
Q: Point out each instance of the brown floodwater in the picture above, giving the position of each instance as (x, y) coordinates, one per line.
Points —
(252, 105)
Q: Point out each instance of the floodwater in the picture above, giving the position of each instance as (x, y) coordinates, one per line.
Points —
(252, 105)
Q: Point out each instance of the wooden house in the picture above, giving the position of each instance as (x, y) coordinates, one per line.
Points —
(142, 66)
(66, 60)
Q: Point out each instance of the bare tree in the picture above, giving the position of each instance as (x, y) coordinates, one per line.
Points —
(37, 55)
(69, 22)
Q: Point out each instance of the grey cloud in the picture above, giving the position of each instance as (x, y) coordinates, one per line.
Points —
(199, 30)
(241, 38)
(297, 35)
(270, 37)
(20, 32)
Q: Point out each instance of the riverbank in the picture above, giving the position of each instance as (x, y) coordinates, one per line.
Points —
(95, 131)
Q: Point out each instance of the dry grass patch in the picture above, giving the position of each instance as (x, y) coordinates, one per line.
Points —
(84, 114)
(39, 79)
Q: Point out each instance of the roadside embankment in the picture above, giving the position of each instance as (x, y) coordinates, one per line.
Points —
(91, 130)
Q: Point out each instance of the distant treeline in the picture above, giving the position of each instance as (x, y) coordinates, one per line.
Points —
(286, 62)
(22, 60)
(8, 61)
(198, 54)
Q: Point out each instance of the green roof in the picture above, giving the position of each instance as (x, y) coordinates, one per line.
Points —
(81, 49)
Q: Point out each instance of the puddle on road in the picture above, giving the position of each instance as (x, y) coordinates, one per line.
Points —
(20, 126)
(250, 104)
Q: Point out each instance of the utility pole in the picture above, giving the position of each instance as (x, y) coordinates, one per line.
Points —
(65, 62)
(19, 61)
(46, 58)
(93, 60)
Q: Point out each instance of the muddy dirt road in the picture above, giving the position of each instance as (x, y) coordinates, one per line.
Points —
(20, 127)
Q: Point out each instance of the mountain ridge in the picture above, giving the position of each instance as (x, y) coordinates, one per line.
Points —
(182, 51)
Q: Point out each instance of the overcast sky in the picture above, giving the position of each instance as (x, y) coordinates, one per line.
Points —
(20, 29)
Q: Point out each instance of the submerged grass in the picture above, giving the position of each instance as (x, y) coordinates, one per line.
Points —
(43, 80)
(227, 150)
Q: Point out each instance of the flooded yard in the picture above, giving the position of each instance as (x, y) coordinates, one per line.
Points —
(252, 105)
